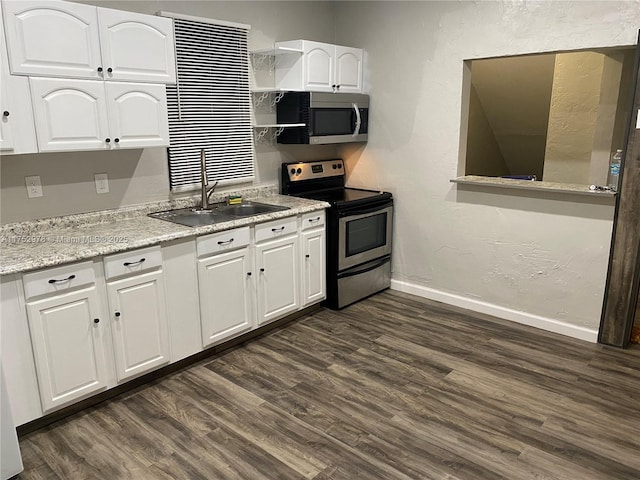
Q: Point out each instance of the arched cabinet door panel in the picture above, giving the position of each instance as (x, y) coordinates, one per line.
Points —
(137, 115)
(69, 114)
(318, 58)
(136, 47)
(58, 39)
(349, 69)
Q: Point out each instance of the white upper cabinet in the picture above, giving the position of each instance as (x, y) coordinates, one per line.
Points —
(321, 67)
(52, 38)
(64, 39)
(137, 115)
(91, 115)
(70, 114)
(136, 46)
(348, 69)
(318, 70)
(17, 132)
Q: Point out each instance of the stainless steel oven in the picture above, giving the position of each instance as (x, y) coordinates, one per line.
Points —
(364, 234)
(359, 229)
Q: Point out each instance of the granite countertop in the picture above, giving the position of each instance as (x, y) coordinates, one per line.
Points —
(54, 241)
(568, 188)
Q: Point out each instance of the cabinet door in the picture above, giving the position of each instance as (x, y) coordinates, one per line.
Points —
(349, 69)
(318, 66)
(139, 324)
(49, 38)
(17, 132)
(69, 346)
(69, 114)
(6, 124)
(226, 295)
(277, 270)
(136, 47)
(313, 266)
(137, 115)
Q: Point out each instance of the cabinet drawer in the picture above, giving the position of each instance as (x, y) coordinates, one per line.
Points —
(276, 228)
(313, 220)
(58, 279)
(223, 241)
(132, 262)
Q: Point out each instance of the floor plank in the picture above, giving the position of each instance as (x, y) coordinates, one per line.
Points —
(393, 387)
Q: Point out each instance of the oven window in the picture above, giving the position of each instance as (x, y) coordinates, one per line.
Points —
(332, 121)
(366, 234)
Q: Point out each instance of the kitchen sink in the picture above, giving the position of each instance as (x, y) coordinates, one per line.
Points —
(194, 217)
(249, 208)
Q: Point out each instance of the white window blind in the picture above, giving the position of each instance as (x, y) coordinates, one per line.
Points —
(210, 106)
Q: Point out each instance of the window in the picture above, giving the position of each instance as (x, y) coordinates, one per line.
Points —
(556, 116)
(210, 106)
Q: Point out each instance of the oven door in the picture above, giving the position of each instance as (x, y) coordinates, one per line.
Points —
(364, 234)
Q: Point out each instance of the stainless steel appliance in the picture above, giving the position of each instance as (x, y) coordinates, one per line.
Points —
(328, 117)
(359, 229)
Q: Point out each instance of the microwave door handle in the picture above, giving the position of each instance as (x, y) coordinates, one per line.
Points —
(356, 130)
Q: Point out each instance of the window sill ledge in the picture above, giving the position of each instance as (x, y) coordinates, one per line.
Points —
(553, 187)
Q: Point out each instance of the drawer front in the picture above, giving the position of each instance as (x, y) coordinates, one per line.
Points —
(276, 229)
(313, 220)
(58, 279)
(223, 241)
(133, 261)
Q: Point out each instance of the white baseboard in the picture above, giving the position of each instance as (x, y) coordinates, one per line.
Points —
(524, 318)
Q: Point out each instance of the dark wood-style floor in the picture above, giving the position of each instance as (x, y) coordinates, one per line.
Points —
(394, 387)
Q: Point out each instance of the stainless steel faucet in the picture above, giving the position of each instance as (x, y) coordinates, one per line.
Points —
(205, 192)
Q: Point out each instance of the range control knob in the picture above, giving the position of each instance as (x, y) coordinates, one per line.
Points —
(293, 171)
(339, 165)
(334, 166)
(299, 171)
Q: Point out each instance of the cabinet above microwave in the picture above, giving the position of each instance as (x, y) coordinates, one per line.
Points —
(321, 67)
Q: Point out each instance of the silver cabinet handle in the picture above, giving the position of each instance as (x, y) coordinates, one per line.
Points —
(62, 280)
(280, 229)
(226, 242)
(313, 220)
(131, 264)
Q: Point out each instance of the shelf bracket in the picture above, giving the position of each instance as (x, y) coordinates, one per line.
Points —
(277, 98)
(261, 99)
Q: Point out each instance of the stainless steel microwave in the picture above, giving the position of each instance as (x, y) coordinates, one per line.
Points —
(327, 117)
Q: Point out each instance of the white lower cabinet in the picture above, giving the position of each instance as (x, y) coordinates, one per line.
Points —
(69, 335)
(138, 312)
(226, 295)
(277, 269)
(313, 259)
(235, 280)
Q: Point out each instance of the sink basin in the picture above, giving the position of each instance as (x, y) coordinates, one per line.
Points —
(193, 217)
(247, 209)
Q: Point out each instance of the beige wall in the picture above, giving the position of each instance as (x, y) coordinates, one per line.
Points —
(138, 176)
(573, 117)
(483, 155)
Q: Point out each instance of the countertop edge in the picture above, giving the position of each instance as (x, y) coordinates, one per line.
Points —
(550, 187)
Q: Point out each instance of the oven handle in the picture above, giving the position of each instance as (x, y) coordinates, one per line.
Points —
(360, 270)
(363, 211)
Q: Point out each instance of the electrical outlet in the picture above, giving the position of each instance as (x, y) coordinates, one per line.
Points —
(102, 183)
(34, 187)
